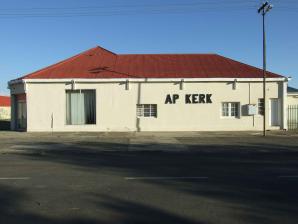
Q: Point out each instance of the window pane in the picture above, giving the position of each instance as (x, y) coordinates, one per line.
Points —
(225, 109)
(146, 110)
(237, 109)
(80, 107)
(77, 111)
(230, 109)
(140, 110)
(154, 110)
(90, 106)
(234, 109)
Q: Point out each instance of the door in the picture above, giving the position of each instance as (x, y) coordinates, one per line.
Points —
(274, 112)
(22, 115)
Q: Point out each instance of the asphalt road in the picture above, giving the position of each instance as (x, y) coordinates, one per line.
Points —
(148, 178)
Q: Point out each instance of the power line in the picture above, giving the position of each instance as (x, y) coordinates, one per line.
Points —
(210, 2)
(135, 9)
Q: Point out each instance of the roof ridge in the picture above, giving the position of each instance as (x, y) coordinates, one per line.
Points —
(32, 74)
(105, 50)
(140, 54)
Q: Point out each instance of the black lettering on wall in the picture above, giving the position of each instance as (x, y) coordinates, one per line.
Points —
(208, 98)
(202, 98)
(175, 97)
(195, 98)
(187, 98)
(168, 99)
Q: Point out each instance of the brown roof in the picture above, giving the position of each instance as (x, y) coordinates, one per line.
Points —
(101, 63)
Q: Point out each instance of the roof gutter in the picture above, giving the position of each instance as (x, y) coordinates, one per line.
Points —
(292, 93)
(137, 80)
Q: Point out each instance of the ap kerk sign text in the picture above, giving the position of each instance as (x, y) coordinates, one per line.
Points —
(189, 98)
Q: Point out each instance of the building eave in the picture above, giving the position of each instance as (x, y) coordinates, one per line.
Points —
(132, 80)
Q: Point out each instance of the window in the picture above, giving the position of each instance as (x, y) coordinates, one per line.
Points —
(146, 110)
(80, 107)
(230, 109)
(225, 109)
(261, 106)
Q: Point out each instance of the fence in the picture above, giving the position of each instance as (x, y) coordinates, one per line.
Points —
(293, 117)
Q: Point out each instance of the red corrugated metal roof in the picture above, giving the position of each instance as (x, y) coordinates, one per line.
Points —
(101, 63)
(4, 101)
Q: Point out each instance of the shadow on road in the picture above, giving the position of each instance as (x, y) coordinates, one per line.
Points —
(14, 201)
(13, 210)
(243, 180)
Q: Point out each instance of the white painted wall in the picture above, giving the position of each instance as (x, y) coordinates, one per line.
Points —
(292, 99)
(4, 113)
(116, 106)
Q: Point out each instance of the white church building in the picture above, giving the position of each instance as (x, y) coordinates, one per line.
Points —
(101, 91)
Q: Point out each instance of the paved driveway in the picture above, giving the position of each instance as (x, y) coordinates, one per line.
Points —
(148, 178)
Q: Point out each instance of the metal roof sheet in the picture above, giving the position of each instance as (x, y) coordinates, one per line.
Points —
(101, 63)
(4, 101)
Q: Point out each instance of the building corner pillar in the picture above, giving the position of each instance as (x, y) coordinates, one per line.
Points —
(284, 105)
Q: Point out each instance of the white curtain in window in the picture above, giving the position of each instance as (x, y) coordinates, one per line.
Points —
(76, 112)
(80, 107)
(77, 108)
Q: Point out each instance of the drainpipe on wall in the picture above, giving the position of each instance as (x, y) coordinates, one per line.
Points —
(285, 103)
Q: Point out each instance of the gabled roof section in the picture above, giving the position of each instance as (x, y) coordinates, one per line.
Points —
(101, 63)
(83, 65)
(4, 101)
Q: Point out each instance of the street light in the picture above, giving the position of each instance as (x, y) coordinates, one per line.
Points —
(265, 7)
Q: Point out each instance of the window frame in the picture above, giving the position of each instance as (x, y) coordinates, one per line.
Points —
(146, 110)
(229, 108)
(95, 107)
(262, 107)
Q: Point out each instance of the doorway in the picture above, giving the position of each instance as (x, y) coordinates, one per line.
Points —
(21, 115)
(274, 112)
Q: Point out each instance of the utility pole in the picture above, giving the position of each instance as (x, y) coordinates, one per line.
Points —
(265, 7)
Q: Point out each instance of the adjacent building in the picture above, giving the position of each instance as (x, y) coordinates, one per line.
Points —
(4, 108)
(99, 90)
(292, 96)
(292, 108)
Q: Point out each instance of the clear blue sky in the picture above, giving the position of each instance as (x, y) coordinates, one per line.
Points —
(36, 33)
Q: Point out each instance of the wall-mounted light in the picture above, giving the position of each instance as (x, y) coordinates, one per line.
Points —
(73, 84)
(127, 84)
(235, 84)
(181, 84)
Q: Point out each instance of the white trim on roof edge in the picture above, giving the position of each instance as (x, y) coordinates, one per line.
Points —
(109, 80)
(292, 93)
